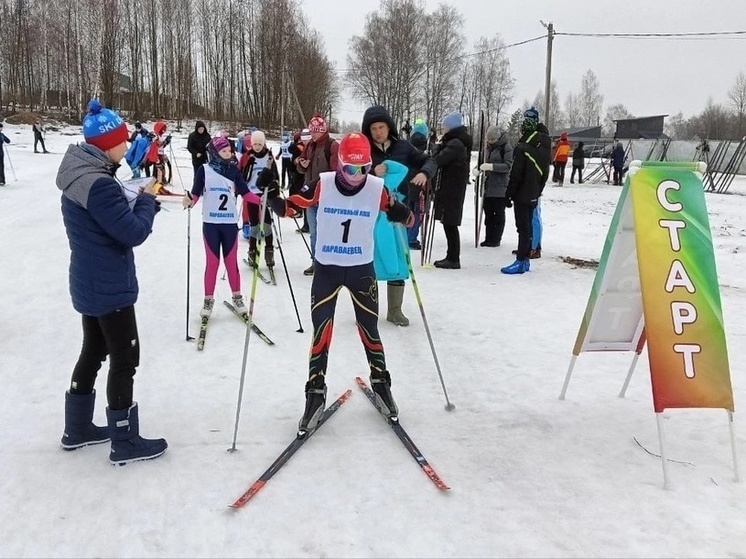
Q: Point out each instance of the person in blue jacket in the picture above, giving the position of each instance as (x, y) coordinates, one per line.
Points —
(136, 153)
(104, 221)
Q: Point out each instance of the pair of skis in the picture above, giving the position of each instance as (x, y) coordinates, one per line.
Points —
(298, 442)
(243, 316)
(272, 280)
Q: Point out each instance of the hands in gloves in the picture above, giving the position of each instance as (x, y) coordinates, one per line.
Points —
(485, 167)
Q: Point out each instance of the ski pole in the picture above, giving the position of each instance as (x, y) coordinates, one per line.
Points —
(250, 320)
(10, 162)
(188, 269)
(302, 236)
(175, 164)
(403, 244)
(290, 285)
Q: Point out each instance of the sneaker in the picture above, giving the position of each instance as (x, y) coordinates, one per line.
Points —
(535, 253)
(487, 243)
(238, 304)
(380, 383)
(206, 310)
(315, 405)
(308, 271)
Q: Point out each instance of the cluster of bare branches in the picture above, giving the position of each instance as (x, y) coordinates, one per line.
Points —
(234, 60)
(415, 64)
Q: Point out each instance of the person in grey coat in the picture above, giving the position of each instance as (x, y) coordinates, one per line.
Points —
(499, 161)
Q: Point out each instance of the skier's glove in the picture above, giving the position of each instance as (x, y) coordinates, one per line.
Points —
(486, 167)
(398, 213)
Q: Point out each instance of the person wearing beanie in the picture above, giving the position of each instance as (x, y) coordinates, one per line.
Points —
(104, 220)
(497, 167)
(419, 136)
(218, 182)
(528, 176)
(380, 129)
(319, 156)
(453, 160)
(197, 143)
(3, 140)
(255, 158)
(559, 160)
(349, 200)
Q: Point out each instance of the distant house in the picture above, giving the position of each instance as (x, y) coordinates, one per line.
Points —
(645, 127)
(579, 133)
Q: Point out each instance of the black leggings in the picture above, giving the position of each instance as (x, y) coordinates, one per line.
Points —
(115, 335)
(328, 281)
(494, 219)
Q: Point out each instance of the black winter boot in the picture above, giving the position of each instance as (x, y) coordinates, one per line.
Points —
(126, 443)
(79, 428)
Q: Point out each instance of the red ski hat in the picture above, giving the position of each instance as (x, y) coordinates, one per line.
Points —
(354, 149)
(317, 124)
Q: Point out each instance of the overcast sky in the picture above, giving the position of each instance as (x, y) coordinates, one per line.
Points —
(650, 76)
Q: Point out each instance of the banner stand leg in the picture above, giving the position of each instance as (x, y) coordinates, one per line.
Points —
(737, 478)
(664, 460)
(567, 377)
(631, 370)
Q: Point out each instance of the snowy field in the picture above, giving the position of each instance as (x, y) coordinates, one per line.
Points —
(531, 476)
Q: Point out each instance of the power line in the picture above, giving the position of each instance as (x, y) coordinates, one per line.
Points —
(694, 35)
(540, 37)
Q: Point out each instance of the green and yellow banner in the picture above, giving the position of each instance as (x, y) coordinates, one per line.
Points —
(680, 293)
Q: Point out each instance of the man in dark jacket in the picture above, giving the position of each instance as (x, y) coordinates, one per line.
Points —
(380, 129)
(531, 160)
(453, 159)
(617, 161)
(197, 145)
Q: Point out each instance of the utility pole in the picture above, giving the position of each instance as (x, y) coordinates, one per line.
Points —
(548, 79)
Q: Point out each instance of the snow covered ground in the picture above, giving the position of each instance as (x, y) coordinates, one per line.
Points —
(530, 475)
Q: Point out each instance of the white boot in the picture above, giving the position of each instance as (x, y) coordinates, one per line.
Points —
(206, 310)
(238, 304)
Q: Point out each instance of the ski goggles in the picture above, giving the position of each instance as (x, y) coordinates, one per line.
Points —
(355, 169)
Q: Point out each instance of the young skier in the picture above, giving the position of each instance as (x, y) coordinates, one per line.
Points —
(218, 183)
(253, 161)
(349, 200)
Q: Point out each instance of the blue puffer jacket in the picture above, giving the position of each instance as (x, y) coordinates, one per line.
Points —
(137, 150)
(103, 222)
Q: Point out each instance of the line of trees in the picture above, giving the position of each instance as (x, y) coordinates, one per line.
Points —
(415, 63)
(219, 59)
(717, 121)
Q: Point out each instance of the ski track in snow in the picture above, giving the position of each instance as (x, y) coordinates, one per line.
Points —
(530, 475)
